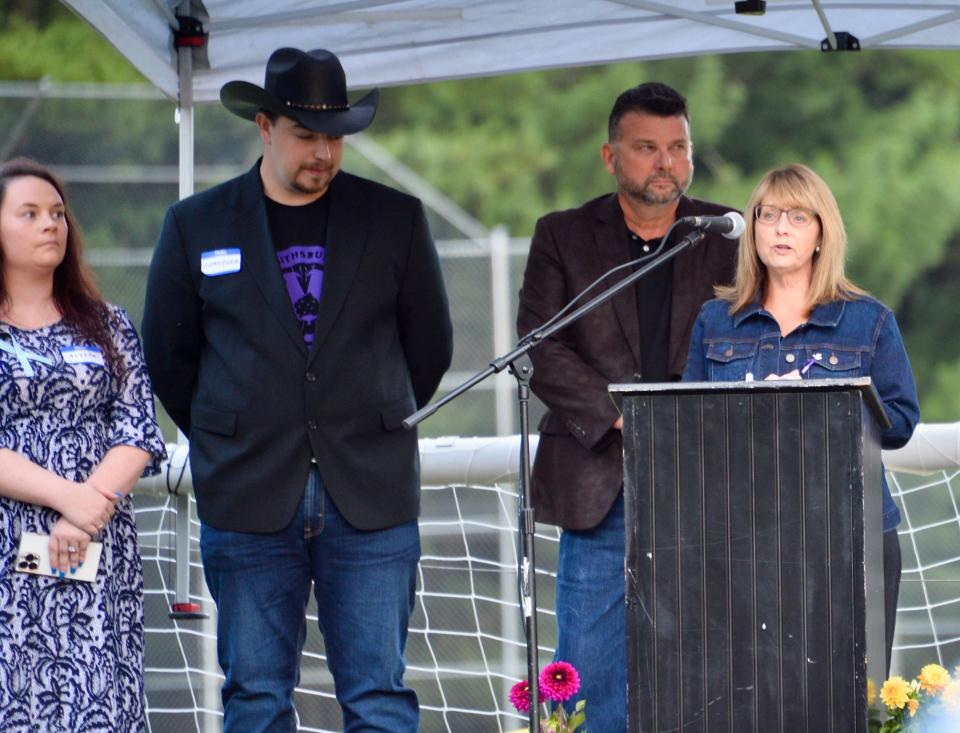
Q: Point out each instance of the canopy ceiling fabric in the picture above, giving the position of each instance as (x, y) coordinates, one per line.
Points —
(392, 42)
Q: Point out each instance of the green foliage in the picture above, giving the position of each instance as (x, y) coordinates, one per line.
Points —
(43, 39)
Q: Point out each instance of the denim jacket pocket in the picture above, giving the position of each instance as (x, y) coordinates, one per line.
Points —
(729, 361)
(832, 363)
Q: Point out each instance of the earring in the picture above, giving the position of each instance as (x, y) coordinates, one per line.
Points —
(817, 249)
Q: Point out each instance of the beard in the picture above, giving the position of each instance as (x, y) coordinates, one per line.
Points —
(645, 193)
(306, 182)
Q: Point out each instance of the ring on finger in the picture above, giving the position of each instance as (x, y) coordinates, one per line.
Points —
(71, 549)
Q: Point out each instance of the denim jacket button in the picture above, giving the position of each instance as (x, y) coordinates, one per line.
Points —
(833, 359)
(728, 352)
(790, 358)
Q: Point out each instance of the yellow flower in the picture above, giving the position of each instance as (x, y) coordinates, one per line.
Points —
(913, 704)
(933, 678)
(895, 693)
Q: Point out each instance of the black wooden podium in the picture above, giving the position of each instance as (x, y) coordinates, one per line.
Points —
(754, 568)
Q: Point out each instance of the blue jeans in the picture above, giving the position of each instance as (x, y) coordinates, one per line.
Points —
(592, 618)
(365, 585)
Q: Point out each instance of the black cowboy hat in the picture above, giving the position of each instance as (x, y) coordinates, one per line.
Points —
(306, 86)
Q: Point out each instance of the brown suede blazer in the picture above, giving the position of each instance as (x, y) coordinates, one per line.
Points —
(578, 471)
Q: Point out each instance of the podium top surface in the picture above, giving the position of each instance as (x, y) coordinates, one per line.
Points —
(860, 384)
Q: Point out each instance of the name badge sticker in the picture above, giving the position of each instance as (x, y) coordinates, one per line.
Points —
(215, 262)
(82, 355)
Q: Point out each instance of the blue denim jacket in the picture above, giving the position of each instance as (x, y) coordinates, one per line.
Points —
(853, 338)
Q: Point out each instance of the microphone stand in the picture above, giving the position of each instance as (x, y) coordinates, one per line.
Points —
(519, 364)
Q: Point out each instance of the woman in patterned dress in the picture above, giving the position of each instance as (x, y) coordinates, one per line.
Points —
(77, 429)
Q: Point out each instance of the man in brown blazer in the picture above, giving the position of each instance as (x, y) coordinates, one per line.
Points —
(640, 335)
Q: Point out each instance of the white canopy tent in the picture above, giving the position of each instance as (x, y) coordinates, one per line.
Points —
(390, 42)
(393, 42)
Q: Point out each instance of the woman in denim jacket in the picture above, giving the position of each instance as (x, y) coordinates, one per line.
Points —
(791, 313)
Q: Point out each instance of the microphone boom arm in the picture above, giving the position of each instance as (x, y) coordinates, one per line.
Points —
(532, 339)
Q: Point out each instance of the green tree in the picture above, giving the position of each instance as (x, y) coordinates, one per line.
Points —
(44, 39)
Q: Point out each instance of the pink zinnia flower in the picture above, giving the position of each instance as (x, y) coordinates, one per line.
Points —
(520, 696)
(559, 681)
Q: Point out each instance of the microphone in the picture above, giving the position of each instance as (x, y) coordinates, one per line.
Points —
(731, 225)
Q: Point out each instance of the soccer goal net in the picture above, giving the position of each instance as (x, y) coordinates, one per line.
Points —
(466, 645)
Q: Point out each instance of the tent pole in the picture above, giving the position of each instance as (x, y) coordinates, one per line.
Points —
(182, 607)
(182, 601)
(185, 114)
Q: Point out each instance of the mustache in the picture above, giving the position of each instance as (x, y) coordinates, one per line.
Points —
(663, 177)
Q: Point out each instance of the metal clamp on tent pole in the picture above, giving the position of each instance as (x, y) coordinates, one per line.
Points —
(750, 7)
(190, 33)
(845, 42)
(834, 41)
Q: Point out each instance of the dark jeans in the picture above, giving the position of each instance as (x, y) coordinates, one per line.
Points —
(365, 586)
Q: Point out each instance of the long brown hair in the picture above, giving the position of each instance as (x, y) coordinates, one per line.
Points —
(75, 291)
(794, 185)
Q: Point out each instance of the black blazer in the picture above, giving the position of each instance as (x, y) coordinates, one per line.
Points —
(578, 469)
(229, 363)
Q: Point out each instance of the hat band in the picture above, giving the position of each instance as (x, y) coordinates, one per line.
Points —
(321, 107)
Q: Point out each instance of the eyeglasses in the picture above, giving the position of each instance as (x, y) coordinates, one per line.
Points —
(767, 214)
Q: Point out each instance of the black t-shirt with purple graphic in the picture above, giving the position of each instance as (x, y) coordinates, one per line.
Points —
(299, 237)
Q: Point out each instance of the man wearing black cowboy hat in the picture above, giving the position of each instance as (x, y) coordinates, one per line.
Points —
(294, 316)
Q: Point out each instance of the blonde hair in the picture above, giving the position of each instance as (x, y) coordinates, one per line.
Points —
(794, 186)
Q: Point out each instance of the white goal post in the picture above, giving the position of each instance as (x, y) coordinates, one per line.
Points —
(485, 460)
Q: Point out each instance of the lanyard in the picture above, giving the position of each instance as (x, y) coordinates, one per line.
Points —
(9, 343)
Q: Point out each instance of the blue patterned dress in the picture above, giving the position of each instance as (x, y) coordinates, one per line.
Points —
(71, 653)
